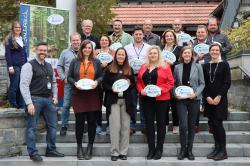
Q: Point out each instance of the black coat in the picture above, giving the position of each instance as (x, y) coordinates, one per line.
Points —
(112, 97)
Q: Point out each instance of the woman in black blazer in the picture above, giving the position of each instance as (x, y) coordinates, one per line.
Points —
(188, 73)
(120, 104)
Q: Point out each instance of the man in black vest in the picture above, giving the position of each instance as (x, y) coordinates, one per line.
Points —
(37, 85)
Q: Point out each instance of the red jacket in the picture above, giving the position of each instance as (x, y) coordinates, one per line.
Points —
(165, 81)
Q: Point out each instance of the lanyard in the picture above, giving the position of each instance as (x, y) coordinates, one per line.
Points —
(86, 69)
(140, 50)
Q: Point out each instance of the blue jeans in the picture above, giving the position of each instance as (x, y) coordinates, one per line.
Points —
(14, 94)
(66, 104)
(134, 93)
(47, 108)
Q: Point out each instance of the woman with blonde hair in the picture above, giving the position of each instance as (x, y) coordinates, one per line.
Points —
(16, 57)
(155, 72)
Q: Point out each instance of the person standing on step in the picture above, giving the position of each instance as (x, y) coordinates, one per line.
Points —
(137, 51)
(120, 104)
(188, 73)
(119, 36)
(169, 42)
(64, 61)
(217, 82)
(37, 85)
(85, 103)
(87, 26)
(105, 42)
(155, 72)
(150, 37)
(16, 57)
(214, 35)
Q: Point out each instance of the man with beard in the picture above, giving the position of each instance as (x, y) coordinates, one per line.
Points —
(37, 85)
(87, 26)
(119, 36)
(64, 61)
(150, 37)
(137, 50)
(214, 35)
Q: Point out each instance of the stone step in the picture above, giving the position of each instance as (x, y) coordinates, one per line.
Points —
(138, 137)
(228, 125)
(140, 150)
(139, 161)
(233, 116)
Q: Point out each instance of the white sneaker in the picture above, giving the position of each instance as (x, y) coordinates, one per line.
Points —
(175, 129)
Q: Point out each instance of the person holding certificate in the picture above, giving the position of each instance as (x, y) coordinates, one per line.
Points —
(189, 75)
(170, 43)
(105, 42)
(85, 73)
(158, 75)
(118, 82)
(218, 80)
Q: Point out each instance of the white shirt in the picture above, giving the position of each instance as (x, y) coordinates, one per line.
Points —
(19, 40)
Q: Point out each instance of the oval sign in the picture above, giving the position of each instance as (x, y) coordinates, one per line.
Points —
(136, 64)
(85, 84)
(169, 56)
(183, 91)
(55, 19)
(120, 85)
(201, 48)
(116, 45)
(184, 38)
(105, 57)
(152, 90)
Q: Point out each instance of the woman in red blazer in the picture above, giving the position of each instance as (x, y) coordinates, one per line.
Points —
(155, 72)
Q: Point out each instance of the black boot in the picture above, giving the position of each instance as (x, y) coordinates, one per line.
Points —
(150, 155)
(214, 152)
(88, 154)
(190, 155)
(158, 154)
(80, 155)
(222, 154)
(183, 153)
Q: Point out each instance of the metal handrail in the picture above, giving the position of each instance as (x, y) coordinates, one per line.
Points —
(242, 69)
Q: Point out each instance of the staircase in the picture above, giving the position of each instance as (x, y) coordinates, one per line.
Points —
(238, 147)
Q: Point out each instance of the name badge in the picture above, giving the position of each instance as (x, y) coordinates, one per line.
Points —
(49, 85)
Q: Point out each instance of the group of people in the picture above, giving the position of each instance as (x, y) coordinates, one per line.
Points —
(207, 74)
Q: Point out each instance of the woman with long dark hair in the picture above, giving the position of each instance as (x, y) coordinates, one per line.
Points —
(218, 80)
(120, 104)
(85, 102)
(16, 57)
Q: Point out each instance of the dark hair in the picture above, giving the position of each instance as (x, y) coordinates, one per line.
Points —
(215, 44)
(181, 60)
(105, 35)
(202, 27)
(138, 28)
(41, 44)
(117, 20)
(125, 67)
(82, 46)
(217, 21)
(163, 41)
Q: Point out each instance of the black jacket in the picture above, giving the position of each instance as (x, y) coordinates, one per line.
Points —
(111, 97)
(74, 72)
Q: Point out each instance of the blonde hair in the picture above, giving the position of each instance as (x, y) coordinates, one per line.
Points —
(90, 22)
(160, 62)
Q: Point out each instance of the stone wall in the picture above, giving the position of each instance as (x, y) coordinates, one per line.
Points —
(3, 78)
(239, 95)
(12, 131)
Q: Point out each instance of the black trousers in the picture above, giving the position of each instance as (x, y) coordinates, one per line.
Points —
(219, 132)
(80, 122)
(175, 118)
(155, 110)
(187, 112)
